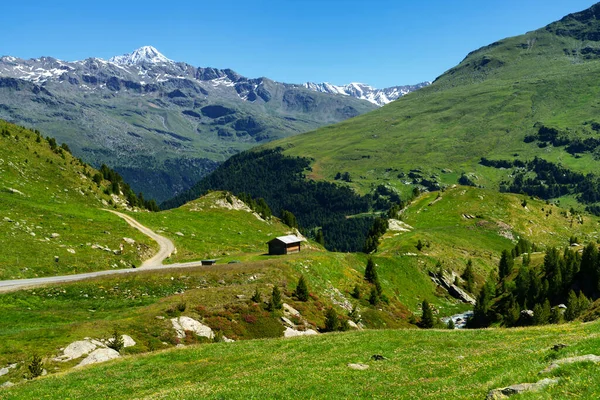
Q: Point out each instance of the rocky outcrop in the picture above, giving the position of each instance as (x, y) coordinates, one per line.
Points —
(76, 350)
(98, 356)
(505, 393)
(446, 280)
(183, 324)
(290, 332)
(587, 358)
(87, 346)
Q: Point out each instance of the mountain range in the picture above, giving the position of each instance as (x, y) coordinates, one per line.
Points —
(161, 124)
(363, 91)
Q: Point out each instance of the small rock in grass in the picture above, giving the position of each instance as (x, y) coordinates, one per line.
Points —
(128, 341)
(359, 367)
(558, 346)
(7, 384)
(504, 393)
(54, 235)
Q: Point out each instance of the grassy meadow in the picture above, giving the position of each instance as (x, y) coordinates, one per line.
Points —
(436, 364)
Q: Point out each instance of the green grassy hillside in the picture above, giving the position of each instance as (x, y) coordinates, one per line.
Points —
(484, 107)
(50, 207)
(218, 226)
(464, 223)
(423, 364)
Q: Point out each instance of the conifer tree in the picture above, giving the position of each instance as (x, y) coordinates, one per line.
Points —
(450, 324)
(332, 322)
(522, 284)
(373, 297)
(36, 368)
(370, 271)
(256, 297)
(556, 316)
(582, 303)
(301, 291)
(356, 292)
(427, 320)
(572, 310)
(320, 238)
(275, 302)
(506, 264)
(469, 277)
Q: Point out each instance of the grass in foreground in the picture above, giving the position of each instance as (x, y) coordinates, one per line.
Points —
(420, 364)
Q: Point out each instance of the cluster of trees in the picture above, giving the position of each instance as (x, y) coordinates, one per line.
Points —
(377, 230)
(532, 295)
(118, 186)
(343, 176)
(259, 205)
(280, 180)
(376, 294)
(547, 180)
(553, 136)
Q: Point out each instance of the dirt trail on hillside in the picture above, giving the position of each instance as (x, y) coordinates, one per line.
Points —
(166, 246)
(154, 263)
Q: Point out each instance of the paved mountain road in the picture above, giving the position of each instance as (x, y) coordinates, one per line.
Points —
(166, 248)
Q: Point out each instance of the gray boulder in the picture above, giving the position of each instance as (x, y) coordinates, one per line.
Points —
(505, 393)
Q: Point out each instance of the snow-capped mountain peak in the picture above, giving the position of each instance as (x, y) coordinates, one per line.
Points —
(143, 55)
(363, 91)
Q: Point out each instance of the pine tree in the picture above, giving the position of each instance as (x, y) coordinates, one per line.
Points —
(522, 284)
(450, 324)
(301, 291)
(36, 368)
(588, 270)
(469, 277)
(373, 297)
(256, 297)
(556, 316)
(538, 317)
(356, 292)
(115, 342)
(289, 219)
(320, 238)
(332, 322)
(427, 320)
(506, 264)
(370, 271)
(354, 314)
(481, 311)
(572, 310)
(275, 302)
(582, 303)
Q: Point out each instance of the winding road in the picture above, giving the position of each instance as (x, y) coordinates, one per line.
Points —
(166, 248)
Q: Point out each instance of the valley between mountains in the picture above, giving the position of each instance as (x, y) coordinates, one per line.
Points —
(440, 240)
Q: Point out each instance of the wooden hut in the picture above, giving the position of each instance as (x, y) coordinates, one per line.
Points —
(284, 245)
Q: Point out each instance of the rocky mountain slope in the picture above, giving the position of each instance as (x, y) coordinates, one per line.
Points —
(161, 124)
(362, 91)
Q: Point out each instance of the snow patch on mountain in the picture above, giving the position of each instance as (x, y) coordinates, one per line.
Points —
(143, 55)
(363, 91)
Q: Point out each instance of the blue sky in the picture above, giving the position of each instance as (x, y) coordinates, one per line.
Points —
(383, 43)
